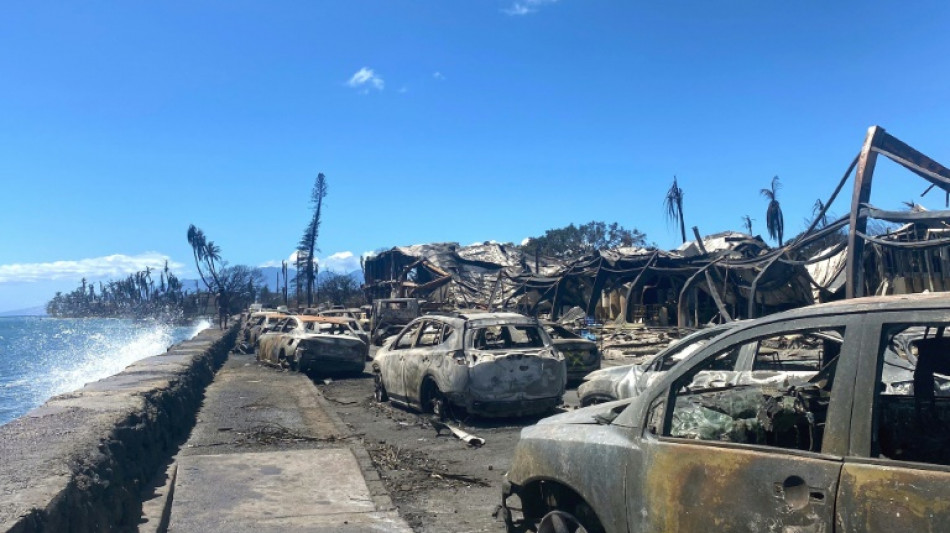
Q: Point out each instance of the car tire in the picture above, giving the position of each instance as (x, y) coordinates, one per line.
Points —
(560, 522)
(439, 404)
(379, 390)
(292, 363)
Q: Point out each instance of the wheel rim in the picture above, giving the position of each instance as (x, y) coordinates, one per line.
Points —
(440, 406)
(379, 392)
(560, 522)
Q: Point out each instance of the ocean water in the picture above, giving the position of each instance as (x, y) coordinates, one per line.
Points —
(41, 357)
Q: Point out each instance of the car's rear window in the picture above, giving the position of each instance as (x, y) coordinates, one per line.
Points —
(507, 337)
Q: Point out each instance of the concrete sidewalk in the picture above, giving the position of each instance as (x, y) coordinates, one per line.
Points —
(266, 455)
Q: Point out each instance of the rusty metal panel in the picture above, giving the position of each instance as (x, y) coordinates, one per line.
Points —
(893, 497)
(707, 487)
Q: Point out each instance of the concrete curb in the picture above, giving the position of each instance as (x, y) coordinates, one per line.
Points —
(156, 512)
(377, 489)
(79, 462)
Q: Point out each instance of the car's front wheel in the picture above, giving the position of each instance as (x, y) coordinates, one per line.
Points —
(554, 508)
(434, 401)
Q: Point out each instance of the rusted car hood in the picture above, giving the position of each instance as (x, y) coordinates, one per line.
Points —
(601, 413)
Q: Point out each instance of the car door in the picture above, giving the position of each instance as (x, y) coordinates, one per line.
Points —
(722, 456)
(290, 334)
(393, 368)
(427, 353)
(270, 340)
(897, 476)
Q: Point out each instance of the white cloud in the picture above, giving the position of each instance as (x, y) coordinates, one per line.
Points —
(438, 75)
(292, 259)
(366, 78)
(341, 262)
(96, 267)
(525, 7)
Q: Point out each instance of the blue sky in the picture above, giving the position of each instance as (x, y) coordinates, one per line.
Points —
(121, 123)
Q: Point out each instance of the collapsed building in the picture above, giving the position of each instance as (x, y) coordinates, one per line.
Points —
(711, 279)
(717, 278)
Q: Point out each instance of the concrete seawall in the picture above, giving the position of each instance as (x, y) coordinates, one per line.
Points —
(79, 462)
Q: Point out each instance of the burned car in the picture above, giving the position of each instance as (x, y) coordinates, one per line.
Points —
(488, 364)
(314, 344)
(581, 355)
(619, 382)
(353, 318)
(260, 323)
(838, 451)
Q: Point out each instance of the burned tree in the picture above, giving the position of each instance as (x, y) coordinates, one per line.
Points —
(673, 205)
(774, 220)
(308, 243)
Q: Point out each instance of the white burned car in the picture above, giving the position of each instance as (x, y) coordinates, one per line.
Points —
(627, 381)
(489, 364)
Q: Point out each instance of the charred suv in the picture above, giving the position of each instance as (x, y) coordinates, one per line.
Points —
(489, 364)
(840, 424)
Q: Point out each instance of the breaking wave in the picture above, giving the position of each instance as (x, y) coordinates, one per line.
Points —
(43, 357)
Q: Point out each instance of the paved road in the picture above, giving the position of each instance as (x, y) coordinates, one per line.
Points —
(266, 455)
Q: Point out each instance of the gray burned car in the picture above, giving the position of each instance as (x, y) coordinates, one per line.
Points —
(832, 447)
(488, 364)
(627, 381)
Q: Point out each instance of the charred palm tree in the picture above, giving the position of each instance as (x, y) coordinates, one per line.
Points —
(196, 238)
(673, 205)
(818, 211)
(212, 253)
(747, 223)
(774, 220)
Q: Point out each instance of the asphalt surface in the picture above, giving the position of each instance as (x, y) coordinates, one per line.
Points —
(438, 483)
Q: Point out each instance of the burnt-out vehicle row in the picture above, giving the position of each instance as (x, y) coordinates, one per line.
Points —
(833, 417)
(828, 418)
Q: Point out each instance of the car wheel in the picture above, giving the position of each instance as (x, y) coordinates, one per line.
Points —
(292, 363)
(379, 390)
(439, 404)
(282, 360)
(560, 522)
